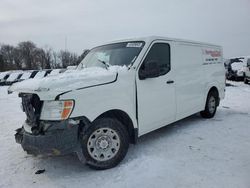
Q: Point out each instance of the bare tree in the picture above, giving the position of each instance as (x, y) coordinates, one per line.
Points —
(55, 61)
(67, 58)
(48, 57)
(26, 55)
(17, 58)
(2, 64)
(27, 50)
(7, 52)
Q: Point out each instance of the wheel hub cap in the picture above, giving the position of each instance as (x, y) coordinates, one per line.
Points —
(103, 144)
(212, 104)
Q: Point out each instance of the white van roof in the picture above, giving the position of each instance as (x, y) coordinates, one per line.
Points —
(150, 39)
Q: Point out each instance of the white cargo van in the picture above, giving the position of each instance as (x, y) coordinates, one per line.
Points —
(119, 92)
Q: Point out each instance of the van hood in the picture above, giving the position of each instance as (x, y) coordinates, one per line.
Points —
(69, 80)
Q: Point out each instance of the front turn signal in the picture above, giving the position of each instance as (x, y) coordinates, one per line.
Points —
(67, 109)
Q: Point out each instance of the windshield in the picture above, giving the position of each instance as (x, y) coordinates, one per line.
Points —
(121, 54)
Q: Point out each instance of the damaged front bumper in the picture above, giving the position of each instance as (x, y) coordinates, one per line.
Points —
(60, 138)
(41, 137)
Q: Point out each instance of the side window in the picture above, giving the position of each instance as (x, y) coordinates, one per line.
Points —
(160, 52)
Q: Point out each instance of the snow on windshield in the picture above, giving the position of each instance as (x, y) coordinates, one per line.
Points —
(13, 76)
(237, 65)
(2, 75)
(40, 74)
(25, 75)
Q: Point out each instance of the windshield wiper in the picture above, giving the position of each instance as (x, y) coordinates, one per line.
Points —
(105, 63)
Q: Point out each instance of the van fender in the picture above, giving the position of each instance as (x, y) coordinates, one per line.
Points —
(98, 113)
(208, 88)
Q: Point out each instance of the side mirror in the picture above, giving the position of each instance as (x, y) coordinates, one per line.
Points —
(151, 69)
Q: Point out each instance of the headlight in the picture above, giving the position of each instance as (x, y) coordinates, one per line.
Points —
(56, 110)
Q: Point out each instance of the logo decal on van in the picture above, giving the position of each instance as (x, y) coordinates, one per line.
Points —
(213, 53)
(211, 56)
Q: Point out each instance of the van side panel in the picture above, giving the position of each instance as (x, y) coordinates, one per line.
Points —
(199, 68)
(189, 79)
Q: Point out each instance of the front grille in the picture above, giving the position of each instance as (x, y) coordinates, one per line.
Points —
(32, 107)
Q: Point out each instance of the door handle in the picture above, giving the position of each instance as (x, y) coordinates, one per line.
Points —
(170, 81)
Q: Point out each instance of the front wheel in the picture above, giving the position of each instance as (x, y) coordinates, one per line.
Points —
(211, 105)
(105, 143)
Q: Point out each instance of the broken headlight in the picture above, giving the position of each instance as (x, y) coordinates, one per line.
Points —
(57, 110)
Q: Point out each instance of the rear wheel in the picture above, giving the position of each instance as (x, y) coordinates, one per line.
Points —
(105, 143)
(211, 105)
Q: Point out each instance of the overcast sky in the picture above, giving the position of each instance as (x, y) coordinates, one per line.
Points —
(86, 23)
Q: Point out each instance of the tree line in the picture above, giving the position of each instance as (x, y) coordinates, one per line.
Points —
(27, 56)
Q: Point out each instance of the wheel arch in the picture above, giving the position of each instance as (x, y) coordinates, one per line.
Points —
(124, 118)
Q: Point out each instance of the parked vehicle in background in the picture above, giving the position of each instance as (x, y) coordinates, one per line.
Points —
(47, 72)
(235, 69)
(119, 92)
(42, 74)
(8, 78)
(33, 73)
(247, 72)
(29, 74)
(26, 75)
(56, 72)
(226, 65)
(39, 74)
(3, 77)
(13, 78)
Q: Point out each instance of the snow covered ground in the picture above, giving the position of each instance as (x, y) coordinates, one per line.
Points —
(193, 152)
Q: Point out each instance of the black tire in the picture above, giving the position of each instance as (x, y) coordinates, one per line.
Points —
(100, 124)
(208, 113)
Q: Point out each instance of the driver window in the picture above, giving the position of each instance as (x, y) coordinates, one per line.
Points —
(159, 52)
